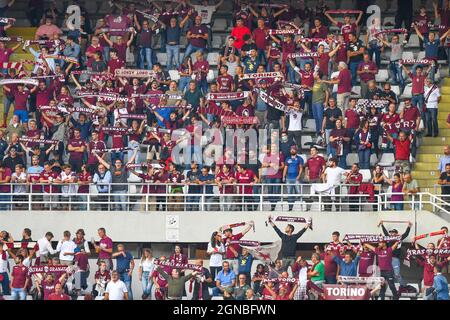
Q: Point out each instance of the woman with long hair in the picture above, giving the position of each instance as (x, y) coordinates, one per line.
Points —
(215, 250)
(145, 271)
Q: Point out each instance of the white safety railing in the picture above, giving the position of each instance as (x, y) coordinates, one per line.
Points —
(228, 197)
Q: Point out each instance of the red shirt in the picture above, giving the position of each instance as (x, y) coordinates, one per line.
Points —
(229, 254)
(83, 178)
(352, 119)
(246, 177)
(4, 55)
(5, 188)
(418, 83)
(428, 271)
(411, 113)
(315, 167)
(55, 296)
(46, 176)
(105, 243)
(307, 78)
(121, 51)
(95, 145)
(74, 155)
(117, 140)
(20, 274)
(238, 33)
(367, 66)
(384, 258)
(49, 288)
(20, 99)
(323, 59)
(43, 97)
(391, 118)
(346, 29)
(260, 38)
(366, 261)
(202, 66)
(287, 48)
(114, 64)
(92, 49)
(224, 83)
(222, 176)
(402, 149)
(345, 81)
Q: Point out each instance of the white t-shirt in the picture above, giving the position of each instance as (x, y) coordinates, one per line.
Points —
(116, 290)
(295, 120)
(216, 258)
(334, 175)
(22, 178)
(205, 12)
(432, 102)
(147, 265)
(66, 246)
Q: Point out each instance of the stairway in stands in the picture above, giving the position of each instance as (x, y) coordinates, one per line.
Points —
(431, 149)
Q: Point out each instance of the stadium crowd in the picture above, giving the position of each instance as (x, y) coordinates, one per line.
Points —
(36, 268)
(100, 108)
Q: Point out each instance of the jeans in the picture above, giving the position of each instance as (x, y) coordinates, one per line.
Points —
(7, 101)
(364, 158)
(127, 280)
(317, 110)
(432, 121)
(173, 56)
(389, 278)
(418, 100)
(195, 200)
(145, 54)
(290, 72)
(374, 49)
(342, 159)
(273, 190)
(307, 99)
(353, 68)
(5, 198)
(147, 283)
(397, 74)
(203, 85)
(5, 284)
(190, 49)
(327, 138)
(397, 206)
(119, 196)
(262, 57)
(292, 188)
(18, 294)
(183, 83)
(396, 266)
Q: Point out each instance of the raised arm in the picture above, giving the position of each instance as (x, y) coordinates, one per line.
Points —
(358, 20)
(102, 161)
(333, 21)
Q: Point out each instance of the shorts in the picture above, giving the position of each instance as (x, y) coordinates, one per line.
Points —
(22, 114)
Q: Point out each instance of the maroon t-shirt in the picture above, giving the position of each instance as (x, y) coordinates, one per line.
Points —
(324, 58)
(43, 97)
(346, 29)
(114, 64)
(61, 296)
(20, 274)
(246, 177)
(315, 167)
(105, 243)
(121, 51)
(286, 49)
(345, 81)
(260, 38)
(307, 78)
(418, 83)
(367, 66)
(224, 83)
(411, 113)
(366, 261)
(198, 42)
(98, 145)
(227, 188)
(20, 99)
(74, 155)
(83, 178)
(402, 149)
(352, 119)
(49, 288)
(5, 188)
(202, 66)
(235, 237)
(384, 258)
(46, 175)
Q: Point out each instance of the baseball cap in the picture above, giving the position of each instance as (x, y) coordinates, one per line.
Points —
(393, 231)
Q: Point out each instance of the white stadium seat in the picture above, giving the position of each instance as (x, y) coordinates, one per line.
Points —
(382, 75)
(310, 125)
(396, 89)
(305, 140)
(174, 75)
(407, 92)
(407, 55)
(356, 91)
(373, 159)
(351, 159)
(213, 58)
(219, 25)
(413, 41)
(387, 160)
(162, 58)
(367, 175)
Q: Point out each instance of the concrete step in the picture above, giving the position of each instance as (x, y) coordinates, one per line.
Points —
(431, 149)
(424, 166)
(436, 141)
(426, 185)
(445, 90)
(430, 174)
(19, 56)
(22, 31)
(444, 107)
(443, 114)
(428, 158)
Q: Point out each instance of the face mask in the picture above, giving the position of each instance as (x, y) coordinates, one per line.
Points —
(284, 139)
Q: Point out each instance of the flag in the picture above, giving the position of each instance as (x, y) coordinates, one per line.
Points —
(266, 253)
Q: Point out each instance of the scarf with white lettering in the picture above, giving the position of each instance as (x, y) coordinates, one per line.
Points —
(133, 116)
(427, 253)
(262, 75)
(294, 220)
(247, 243)
(11, 39)
(239, 120)
(417, 61)
(389, 31)
(51, 269)
(157, 95)
(25, 81)
(343, 11)
(302, 55)
(134, 73)
(372, 238)
(61, 57)
(113, 150)
(176, 265)
(271, 101)
(285, 31)
(34, 140)
(215, 110)
(239, 224)
(227, 96)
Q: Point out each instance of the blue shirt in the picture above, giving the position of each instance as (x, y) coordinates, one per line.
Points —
(347, 269)
(208, 189)
(225, 279)
(245, 263)
(165, 113)
(440, 284)
(431, 48)
(442, 162)
(85, 128)
(123, 263)
(293, 166)
(173, 34)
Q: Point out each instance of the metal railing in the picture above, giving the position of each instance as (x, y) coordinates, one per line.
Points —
(193, 197)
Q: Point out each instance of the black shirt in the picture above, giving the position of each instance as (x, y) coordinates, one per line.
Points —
(273, 114)
(445, 189)
(397, 252)
(204, 285)
(288, 243)
(249, 46)
(355, 46)
(332, 113)
(372, 93)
